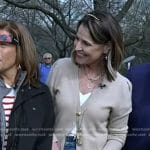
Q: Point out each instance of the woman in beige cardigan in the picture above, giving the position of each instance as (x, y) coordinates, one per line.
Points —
(92, 100)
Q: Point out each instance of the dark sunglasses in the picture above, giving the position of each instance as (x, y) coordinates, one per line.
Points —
(47, 58)
(8, 39)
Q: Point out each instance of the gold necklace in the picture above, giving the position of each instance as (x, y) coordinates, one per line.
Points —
(93, 81)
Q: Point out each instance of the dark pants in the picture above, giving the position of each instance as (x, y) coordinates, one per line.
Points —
(70, 143)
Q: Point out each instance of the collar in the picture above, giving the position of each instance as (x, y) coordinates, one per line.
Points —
(21, 75)
(19, 80)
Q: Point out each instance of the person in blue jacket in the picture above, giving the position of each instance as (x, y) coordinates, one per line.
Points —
(139, 121)
(45, 67)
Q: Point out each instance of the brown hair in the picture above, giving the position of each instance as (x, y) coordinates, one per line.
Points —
(105, 29)
(25, 50)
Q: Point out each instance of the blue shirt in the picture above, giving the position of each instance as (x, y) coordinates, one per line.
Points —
(44, 72)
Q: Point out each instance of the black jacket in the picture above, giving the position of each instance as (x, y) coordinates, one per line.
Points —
(32, 119)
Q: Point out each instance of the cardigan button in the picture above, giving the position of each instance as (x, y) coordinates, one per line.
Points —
(78, 113)
(33, 108)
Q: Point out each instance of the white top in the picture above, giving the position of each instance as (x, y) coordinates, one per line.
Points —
(83, 99)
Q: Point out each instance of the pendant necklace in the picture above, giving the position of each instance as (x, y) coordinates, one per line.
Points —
(93, 81)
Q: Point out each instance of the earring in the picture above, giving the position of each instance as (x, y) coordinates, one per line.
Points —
(19, 66)
(105, 57)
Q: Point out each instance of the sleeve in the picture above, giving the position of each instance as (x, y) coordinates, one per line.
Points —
(117, 125)
(45, 142)
(53, 78)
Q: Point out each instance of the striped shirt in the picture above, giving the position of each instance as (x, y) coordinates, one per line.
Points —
(8, 102)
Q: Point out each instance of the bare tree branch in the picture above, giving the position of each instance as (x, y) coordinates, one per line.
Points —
(24, 1)
(124, 10)
(61, 22)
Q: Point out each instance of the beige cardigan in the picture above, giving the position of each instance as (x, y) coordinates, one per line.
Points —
(104, 115)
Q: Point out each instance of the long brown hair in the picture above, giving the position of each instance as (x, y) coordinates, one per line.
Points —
(26, 55)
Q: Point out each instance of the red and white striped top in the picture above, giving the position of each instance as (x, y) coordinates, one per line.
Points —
(8, 103)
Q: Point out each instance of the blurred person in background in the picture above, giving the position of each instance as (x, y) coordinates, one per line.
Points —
(45, 67)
